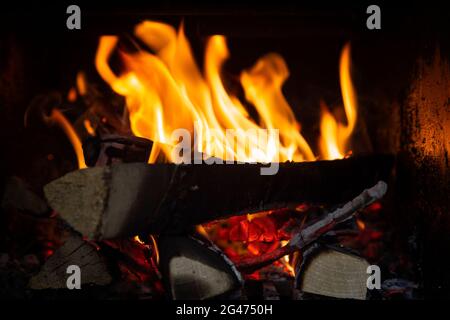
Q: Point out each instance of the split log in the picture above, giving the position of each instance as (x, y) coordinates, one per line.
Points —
(129, 199)
(196, 270)
(336, 274)
(75, 251)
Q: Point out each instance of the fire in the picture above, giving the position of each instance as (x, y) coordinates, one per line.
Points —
(334, 135)
(166, 90)
(56, 117)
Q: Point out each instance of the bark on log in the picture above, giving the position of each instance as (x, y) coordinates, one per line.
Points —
(128, 199)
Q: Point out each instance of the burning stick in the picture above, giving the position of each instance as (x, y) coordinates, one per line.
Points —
(312, 232)
(133, 198)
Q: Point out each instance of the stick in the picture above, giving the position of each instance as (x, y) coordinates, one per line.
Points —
(312, 232)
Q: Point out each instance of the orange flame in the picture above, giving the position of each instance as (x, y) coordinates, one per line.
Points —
(57, 117)
(166, 91)
(334, 136)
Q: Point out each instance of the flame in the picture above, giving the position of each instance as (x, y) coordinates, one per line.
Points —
(81, 83)
(138, 240)
(287, 261)
(334, 136)
(88, 126)
(155, 248)
(58, 118)
(166, 90)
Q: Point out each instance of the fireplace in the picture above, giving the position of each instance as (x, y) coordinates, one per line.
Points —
(166, 151)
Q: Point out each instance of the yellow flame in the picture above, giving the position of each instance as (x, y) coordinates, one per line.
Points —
(57, 117)
(166, 90)
(335, 136)
(286, 260)
(138, 240)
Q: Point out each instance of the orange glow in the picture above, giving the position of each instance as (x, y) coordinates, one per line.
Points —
(361, 225)
(58, 118)
(88, 126)
(72, 95)
(81, 83)
(334, 135)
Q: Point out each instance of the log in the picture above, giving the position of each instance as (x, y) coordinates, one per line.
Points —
(334, 273)
(196, 270)
(129, 199)
(75, 251)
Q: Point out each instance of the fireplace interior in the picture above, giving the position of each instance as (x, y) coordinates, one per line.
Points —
(88, 178)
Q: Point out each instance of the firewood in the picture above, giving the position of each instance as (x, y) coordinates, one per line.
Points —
(306, 235)
(196, 270)
(335, 274)
(75, 251)
(128, 199)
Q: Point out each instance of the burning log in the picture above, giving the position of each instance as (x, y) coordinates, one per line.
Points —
(128, 199)
(196, 270)
(312, 232)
